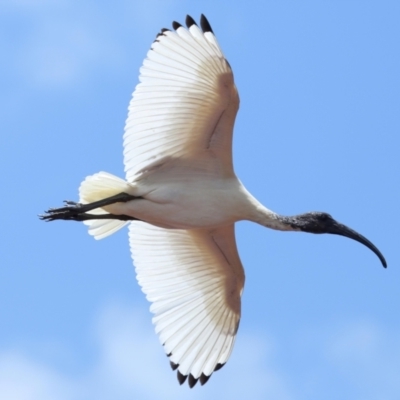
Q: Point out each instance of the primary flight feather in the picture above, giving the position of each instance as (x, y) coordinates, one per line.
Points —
(181, 199)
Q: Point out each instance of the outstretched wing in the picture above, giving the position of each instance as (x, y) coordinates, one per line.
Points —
(186, 101)
(194, 280)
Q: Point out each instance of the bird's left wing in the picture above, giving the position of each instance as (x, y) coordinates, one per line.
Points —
(186, 101)
(194, 279)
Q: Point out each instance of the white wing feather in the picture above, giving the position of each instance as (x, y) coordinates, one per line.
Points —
(194, 280)
(185, 86)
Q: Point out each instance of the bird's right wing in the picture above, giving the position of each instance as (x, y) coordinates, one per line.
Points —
(186, 101)
(194, 279)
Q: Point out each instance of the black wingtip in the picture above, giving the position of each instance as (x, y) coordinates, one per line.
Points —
(158, 35)
(192, 381)
(181, 378)
(218, 366)
(190, 21)
(204, 378)
(176, 25)
(173, 365)
(205, 25)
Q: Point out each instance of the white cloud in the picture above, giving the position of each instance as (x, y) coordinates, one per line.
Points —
(360, 358)
(24, 379)
(358, 341)
(60, 42)
(367, 357)
(131, 364)
(57, 43)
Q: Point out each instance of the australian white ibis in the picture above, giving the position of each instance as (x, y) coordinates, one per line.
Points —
(183, 197)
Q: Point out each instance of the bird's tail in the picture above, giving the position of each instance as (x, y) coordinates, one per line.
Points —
(97, 187)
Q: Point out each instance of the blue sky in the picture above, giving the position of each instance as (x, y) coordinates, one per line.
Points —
(318, 129)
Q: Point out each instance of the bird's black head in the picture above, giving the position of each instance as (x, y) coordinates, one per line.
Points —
(313, 222)
(320, 222)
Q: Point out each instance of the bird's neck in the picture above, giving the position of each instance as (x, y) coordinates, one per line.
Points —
(269, 219)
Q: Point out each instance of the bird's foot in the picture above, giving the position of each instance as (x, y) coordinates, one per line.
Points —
(72, 211)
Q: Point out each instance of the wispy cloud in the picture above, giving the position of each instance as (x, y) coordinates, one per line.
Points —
(22, 378)
(58, 43)
(131, 364)
(368, 357)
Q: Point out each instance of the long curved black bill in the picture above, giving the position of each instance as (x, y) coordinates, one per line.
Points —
(343, 230)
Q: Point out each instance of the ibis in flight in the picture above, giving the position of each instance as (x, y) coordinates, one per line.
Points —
(181, 199)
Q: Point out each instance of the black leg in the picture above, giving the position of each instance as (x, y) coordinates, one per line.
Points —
(85, 217)
(78, 212)
(72, 206)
